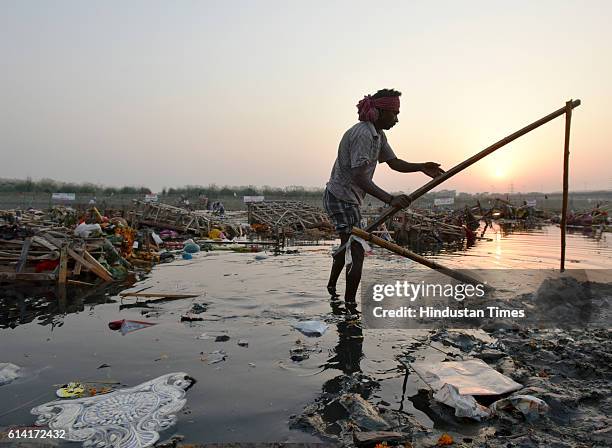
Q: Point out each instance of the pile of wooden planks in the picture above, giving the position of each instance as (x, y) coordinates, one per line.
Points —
(20, 258)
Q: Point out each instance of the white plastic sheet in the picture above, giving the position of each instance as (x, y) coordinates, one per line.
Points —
(471, 377)
(8, 373)
(464, 405)
(310, 327)
(84, 230)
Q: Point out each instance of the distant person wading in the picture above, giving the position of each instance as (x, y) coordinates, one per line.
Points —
(362, 147)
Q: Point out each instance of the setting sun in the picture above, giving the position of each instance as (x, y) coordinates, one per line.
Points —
(499, 172)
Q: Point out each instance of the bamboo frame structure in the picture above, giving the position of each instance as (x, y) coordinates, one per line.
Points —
(294, 214)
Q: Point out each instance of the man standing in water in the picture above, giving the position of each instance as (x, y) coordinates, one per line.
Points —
(361, 148)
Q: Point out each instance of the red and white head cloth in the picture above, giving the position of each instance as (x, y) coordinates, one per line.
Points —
(368, 106)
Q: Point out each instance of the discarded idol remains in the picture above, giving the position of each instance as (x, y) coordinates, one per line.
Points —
(130, 417)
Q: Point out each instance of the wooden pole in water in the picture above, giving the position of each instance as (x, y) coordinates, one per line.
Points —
(568, 121)
(475, 158)
(415, 257)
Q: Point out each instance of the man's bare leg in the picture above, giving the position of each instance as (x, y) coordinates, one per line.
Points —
(337, 266)
(353, 273)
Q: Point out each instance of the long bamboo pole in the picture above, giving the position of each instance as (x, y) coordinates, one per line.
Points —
(475, 158)
(568, 121)
(415, 257)
(389, 212)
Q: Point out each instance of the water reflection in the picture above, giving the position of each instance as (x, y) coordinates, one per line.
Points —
(48, 305)
(348, 352)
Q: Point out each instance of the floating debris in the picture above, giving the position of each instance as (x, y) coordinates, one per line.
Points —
(8, 373)
(311, 328)
(71, 390)
(128, 326)
(217, 356)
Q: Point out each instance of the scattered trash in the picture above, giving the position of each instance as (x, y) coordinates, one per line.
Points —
(103, 366)
(191, 247)
(85, 230)
(378, 439)
(260, 257)
(8, 373)
(198, 308)
(531, 407)
(216, 234)
(243, 343)
(103, 420)
(92, 391)
(299, 353)
(445, 440)
(71, 390)
(489, 355)
(464, 405)
(157, 238)
(204, 336)
(311, 327)
(172, 442)
(189, 317)
(217, 356)
(471, 377)
(363, 413)
(166, 257)
(222, 338)
(252, 364)
(127, 326)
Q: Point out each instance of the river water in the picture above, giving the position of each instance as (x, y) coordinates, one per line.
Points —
(250, 396)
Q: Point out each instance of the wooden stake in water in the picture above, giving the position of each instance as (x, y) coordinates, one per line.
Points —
(568, 120)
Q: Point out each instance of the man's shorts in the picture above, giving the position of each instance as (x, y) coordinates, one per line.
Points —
(343, 215)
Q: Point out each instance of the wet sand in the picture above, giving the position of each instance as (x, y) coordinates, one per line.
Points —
(255, 393)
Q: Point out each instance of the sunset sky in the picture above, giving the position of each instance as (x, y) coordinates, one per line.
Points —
(170, 93)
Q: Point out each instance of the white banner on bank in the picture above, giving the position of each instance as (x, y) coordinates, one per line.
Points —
(248, 199)
(444, 201)
(63, 196)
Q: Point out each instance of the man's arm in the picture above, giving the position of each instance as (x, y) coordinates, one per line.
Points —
(360, 178)
(432, 169)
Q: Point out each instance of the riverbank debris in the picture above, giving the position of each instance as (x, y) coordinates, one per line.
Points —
(291, 215)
